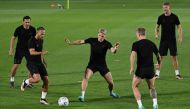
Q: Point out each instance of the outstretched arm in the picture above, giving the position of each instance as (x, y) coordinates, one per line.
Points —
(33, 52)
(115, 48)
(76, 42)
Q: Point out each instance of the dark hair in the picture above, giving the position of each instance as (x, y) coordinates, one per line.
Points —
(26, 17)
(141, 31)
(102, 30)
(40, 28)
(166, 3)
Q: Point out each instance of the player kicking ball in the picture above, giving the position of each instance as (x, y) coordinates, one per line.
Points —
(99, 47)
(36, 64)
(144, 50)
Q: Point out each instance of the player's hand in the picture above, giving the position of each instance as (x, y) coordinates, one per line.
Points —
(44, 52)
(67, 41)
(11, 52)
(179, 41)
(131, 71)
(117, 44)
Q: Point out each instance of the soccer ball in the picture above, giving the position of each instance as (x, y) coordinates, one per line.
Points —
(63, 101)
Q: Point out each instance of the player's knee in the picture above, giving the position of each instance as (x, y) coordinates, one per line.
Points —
(86, 78)
(36, 79)
(134, 86)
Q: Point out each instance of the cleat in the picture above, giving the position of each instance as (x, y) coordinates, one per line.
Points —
(155, 107)
(23, 86)
(81, 99)
(142, 107)
(44, 101)
(156, 76)
(179, 77)
(12, 84)
(114, 95)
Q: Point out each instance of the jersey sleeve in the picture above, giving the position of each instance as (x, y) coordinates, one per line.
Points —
(16, 32)
(109, 45)
(134, 47)
(159, 20)
(89, 40)
(177, 22)
(31, 44)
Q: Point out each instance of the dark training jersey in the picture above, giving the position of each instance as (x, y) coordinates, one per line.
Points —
(98, 50)
(168, 24)
(23, 36)
(38, 46)
(145, 49)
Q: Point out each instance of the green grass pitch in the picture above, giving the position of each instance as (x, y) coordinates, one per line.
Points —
(66, 64)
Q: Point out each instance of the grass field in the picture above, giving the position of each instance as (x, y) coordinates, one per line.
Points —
(66, 64)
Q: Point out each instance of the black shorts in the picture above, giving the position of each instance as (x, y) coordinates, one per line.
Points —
(19, 54)
(103, 69)
(145, 73)
(37, 69)
(165, 45)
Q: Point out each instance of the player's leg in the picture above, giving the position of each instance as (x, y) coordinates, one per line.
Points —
(17, 61)
(43, 99)
(84, 84)
(153, 92)
(136, 92)
(173, 53)
(109, 79)
(175, 65)
(33, 68)
(163, 50)
(13, 73)
(34, 79)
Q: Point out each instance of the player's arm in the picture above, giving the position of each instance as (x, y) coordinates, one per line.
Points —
(180, 37)
(115, 48)
(11, 49)
(76, 42)
(132, 61)
(157, 29)
(33, 52)
(158, 57)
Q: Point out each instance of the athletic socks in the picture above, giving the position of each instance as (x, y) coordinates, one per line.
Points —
(139, 102)
(176, 72)
(12, 79)
(43, 95)
(158, 72)
(82, 94)
(154, 100)
(27, 81)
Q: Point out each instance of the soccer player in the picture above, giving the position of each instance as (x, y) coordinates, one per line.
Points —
(23, 33)
(35, 64)
(99, 47)
(168, 22)
(144, 50)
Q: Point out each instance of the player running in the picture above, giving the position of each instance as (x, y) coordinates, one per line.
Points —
(168, 21)
(36, 64)
(99, 47)
(144, 50)
(23, 33)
